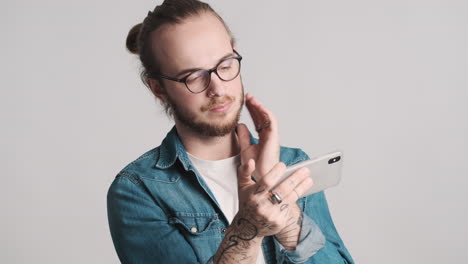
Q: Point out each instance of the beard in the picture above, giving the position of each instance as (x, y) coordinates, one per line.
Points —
(206, 128)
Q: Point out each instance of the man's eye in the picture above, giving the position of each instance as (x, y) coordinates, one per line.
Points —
(193, 78)
(226, 65)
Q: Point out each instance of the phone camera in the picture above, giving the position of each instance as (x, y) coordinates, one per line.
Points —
(334, 160)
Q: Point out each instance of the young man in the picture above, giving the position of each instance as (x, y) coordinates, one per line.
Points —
(205, 194)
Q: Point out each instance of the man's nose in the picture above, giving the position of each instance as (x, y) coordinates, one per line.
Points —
(217, 86)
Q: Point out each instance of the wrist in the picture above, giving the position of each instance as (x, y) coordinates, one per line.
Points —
(245, 227)
(240, 244)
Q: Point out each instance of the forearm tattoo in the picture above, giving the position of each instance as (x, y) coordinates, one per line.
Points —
(235, 249)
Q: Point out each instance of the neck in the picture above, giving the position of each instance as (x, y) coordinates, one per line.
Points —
(208, 148)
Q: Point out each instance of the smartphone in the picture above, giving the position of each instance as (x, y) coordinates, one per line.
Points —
(325, 171)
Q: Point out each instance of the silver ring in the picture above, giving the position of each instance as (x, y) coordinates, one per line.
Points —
(275, 197)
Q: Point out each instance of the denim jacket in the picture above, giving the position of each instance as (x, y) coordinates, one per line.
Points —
(161, 211)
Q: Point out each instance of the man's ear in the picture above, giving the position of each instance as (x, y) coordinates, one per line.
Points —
(157, 89)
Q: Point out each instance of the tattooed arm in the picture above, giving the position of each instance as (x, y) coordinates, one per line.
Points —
(241, 243)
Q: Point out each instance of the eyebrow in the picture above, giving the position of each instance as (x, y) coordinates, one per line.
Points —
(183, 72)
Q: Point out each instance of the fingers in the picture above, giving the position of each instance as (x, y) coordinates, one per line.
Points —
(263, 119)
(301, 188)
(295, 185)
(243, 136)
(252, 106)
(244, 173)
(272, 177)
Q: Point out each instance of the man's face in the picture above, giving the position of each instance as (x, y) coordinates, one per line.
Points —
(200, 42)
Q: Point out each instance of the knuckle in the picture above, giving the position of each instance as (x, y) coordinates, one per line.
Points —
(276, 222)
(279, 190)
(271, 219)
(261, 211)
(282, 165)
(252, 197)
(267, 181)
(309, 181)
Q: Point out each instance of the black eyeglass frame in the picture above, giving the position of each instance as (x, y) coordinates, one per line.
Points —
(214, 69)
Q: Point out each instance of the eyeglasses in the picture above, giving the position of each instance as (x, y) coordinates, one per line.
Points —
(199, 80)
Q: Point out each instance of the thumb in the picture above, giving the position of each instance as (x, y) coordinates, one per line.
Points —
(243, 136)
(244, 174)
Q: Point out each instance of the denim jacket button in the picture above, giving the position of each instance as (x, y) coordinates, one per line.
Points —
(223, 230)
(194, 229)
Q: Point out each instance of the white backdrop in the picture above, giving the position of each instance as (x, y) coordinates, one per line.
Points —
(386, 81)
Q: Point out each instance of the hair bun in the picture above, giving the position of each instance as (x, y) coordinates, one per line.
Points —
(132, 39)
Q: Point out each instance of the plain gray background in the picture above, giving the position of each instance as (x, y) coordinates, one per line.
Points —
(386, 81)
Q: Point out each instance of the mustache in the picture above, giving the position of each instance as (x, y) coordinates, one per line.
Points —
(217, 101)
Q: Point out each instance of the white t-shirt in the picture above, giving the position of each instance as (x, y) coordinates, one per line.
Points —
(221, 178)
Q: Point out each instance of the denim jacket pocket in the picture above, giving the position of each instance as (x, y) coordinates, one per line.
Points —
(202, 232)
(196, 224)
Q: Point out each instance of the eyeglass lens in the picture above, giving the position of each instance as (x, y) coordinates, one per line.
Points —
(227, 70)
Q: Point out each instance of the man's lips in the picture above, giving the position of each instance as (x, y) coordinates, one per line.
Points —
(218, 104)
(221, 107)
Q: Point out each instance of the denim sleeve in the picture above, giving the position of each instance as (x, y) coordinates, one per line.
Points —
(140, 229)
(334, 251)
(311, 240)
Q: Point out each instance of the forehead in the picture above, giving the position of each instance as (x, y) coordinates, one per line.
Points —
(198, 42)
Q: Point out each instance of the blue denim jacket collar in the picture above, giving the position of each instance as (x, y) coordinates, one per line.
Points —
(172, 148)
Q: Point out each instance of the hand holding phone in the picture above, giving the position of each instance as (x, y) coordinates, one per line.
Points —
(325, 171)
